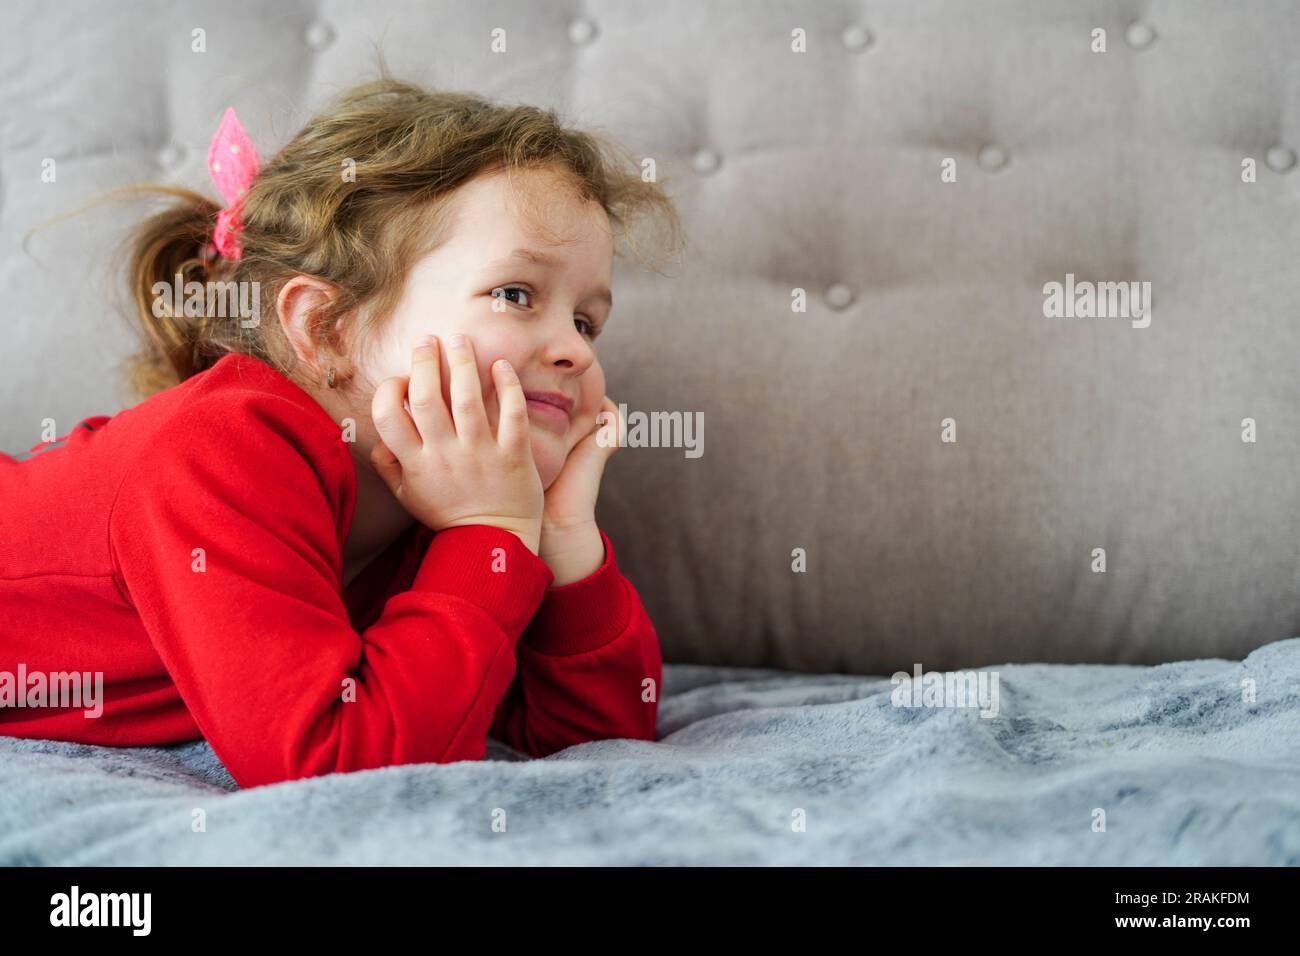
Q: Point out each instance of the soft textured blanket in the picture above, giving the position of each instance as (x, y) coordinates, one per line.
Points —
(1196, 762)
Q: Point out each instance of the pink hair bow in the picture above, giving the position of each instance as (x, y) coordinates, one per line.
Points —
(232, 161)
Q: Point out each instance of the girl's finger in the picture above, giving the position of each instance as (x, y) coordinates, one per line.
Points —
(512, 408)
(386, 465)
(391, 421)
(612, 423)
(425, 393)
(466, 391)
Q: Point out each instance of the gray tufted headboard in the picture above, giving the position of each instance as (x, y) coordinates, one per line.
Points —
(908, 457)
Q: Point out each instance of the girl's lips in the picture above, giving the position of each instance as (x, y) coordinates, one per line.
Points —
(550, 414)
(558, 399)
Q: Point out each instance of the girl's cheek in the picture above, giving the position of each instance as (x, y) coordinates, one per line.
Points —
(596, 397)
(593, 386)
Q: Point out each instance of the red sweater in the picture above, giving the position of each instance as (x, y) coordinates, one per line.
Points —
(252, 642)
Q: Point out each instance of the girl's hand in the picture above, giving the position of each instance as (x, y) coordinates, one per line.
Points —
(570, 542)
(447, 468)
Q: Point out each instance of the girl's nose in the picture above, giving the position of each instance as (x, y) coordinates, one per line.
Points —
(570, 349)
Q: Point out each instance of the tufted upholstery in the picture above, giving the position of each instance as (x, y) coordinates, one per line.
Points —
(818, 171)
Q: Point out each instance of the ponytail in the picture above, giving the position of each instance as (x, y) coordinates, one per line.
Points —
(173, 242)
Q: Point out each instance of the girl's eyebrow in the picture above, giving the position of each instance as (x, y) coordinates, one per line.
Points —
(545, 259)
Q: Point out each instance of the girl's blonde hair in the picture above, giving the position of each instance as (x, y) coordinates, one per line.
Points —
(411, 148)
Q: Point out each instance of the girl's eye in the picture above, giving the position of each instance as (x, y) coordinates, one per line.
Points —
(500, 293)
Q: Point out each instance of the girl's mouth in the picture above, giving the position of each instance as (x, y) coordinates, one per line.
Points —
(550, 415)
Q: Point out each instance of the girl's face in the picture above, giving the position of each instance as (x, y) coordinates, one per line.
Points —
(533, 302)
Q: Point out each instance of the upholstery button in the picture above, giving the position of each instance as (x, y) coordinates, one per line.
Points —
(856, 38)
(1139, 35)
(319, 35)
(705, 161)
(1279, 159)
(839, 296)
(992, 158)
(581, 31)
(171, 156)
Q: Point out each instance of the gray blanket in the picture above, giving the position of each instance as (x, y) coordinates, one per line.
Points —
(1177, 762)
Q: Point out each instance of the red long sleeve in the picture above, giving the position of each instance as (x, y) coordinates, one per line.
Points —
(188, 551)
(589, 667)
(259, 644)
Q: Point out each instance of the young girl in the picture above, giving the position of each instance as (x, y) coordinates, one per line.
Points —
(358, 528)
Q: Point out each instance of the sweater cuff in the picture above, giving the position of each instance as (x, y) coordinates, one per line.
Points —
(583, 615)
(465, 562)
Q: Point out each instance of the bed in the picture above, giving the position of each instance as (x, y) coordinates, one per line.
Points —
(1123, 765)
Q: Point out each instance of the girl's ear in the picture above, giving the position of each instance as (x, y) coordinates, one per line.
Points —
(298, 305)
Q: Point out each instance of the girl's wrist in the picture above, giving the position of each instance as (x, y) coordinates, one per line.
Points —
(572, 553)
(562, 528)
